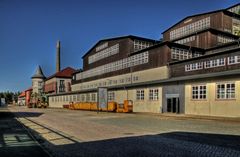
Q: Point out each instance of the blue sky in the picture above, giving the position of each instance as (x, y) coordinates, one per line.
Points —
(29, 30)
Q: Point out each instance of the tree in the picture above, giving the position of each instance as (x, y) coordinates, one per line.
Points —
(9, 96)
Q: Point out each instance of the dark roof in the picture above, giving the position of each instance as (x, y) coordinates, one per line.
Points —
(117, 38)
(38, 73)
(77, 71)
(65, 73)
(211, 12)
(23, 94)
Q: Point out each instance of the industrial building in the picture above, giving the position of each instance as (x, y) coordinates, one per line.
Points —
(195, 69)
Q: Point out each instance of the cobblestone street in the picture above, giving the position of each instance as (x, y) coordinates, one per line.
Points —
(82, 133)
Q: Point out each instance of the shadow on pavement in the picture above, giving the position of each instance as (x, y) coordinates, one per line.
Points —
(172, 144)
(168, 144)
(15, 140)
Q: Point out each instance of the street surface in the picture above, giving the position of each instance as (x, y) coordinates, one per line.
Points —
(65, 132)
(15, 140)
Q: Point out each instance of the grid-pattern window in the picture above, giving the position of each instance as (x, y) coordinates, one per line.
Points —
(139, 45)
(83, 98)
(78, 97)
(70, 98)
(235, 9)
(74, 98)
(191, 28)
(62, 86)
(181, 54)
(223, 39)
(100, 47)
(140, 94)
(104, 53)
(111, 96)
(134, 60)
(186, 40)
(88, 97)
(153, 94)
(214, 63)
(93, 97)
(67, 98)
(226, 91)
(194, 66)
(199, 92)
(236, 26)
(233, 60)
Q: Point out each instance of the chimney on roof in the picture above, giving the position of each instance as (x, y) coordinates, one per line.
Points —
(58, 59)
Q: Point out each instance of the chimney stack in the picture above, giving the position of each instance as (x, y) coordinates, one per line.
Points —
(58, 59)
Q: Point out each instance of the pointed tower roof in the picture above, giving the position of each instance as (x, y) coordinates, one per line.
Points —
(38, 73)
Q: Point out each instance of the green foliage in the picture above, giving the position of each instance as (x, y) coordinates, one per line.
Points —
(10, 96)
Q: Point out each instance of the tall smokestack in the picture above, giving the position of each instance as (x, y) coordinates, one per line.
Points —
(58, 60)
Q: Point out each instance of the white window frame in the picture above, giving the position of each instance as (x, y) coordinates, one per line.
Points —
(233, 60)
(194, 66)
(111, 96)
(140, 95)
(214, 63)
(154, 94)
(226, 90)
(93, 96)
(199, 92)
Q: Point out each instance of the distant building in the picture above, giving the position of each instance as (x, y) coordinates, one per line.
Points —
(24, 97)
(59, 82)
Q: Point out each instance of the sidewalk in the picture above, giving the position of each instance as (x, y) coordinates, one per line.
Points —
(188, 116)
(15, 139)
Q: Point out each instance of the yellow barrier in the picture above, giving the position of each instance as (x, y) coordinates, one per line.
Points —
(112, 106)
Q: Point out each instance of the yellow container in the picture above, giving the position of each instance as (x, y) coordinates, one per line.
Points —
(93, 106)
(112, 106)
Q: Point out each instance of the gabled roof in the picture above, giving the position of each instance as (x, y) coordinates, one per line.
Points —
(38, 73)
(117, 38)
(29, 89)
(22, 94)
(211, 12)
(65, 73)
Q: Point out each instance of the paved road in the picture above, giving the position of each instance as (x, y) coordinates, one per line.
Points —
(82, 133)
(15, 140)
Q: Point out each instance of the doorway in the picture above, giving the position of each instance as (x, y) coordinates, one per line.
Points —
(173, 105)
